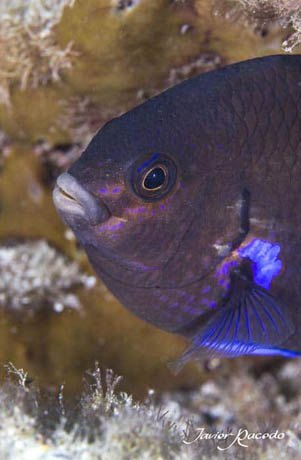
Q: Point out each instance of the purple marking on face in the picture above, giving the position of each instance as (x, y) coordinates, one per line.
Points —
(111, 227)
(137, 210)
(116, 190)
(187, 308)
(162, 207)
(163, 297)
(175, 304)
(117, 226)
(266, 263)
(110, 190)
(190, 297)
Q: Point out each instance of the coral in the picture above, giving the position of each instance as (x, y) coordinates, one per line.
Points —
(34, 274)
(29, 53)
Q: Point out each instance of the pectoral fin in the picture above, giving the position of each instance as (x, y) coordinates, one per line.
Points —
(251, 321)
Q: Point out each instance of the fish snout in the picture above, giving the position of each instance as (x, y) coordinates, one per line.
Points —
(72, 200)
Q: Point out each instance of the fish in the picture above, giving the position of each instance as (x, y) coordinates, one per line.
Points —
(188, 207)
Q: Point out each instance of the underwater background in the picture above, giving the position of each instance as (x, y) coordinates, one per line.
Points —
(66, 68)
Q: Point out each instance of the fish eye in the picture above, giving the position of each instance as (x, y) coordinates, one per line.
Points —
(153, 176)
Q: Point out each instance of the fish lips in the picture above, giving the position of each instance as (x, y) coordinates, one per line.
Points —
(74, 202)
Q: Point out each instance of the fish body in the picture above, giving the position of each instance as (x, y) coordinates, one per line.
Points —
(189, 209)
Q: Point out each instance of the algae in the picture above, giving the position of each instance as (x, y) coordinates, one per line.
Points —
(107, 424)
(118, 52)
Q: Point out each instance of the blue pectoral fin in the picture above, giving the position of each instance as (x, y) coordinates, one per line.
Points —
(251, 322)
(253, 319)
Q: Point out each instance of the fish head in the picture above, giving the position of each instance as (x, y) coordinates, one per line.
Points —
(147, 211)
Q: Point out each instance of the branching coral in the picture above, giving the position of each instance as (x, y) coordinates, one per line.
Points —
(34, 274)
(29, 53)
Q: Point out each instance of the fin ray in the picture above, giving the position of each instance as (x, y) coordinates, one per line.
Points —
(249, 323)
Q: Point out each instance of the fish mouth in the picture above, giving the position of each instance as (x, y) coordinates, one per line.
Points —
(72, 200)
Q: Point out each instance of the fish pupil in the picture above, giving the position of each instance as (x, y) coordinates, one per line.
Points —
(154, 179)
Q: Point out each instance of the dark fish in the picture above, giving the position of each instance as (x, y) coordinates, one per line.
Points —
(189, 209)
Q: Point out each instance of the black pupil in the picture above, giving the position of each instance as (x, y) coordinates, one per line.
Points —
(154, 179)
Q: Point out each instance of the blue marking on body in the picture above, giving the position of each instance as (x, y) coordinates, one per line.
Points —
(148, 162)
(253, 321)
(222, 273)
(266, 263)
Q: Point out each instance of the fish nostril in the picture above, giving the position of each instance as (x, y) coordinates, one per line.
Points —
(73, 200)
